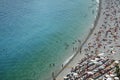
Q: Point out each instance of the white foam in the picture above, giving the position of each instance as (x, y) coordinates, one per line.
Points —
(68, 59)
(97, 1)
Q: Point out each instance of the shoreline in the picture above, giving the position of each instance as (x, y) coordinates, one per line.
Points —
(81, 46)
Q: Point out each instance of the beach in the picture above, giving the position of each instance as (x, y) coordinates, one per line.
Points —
(59, 39)
(103, 38)
(36, 40)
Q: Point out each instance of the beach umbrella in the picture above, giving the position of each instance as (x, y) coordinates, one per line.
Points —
(96, 59)
(75, 74)
(112, 75)
(113, 52)
(111, 48)
(90, 72)
(116, 61)
(92, 60)
(101, 67)
(65, 78)
(116, 78)
(90, 79)
(95, 70)
(101, 54)
(107, 75)
(96, 62)
(100, 63)
(90, 63)
(102, 58)
(109, 78)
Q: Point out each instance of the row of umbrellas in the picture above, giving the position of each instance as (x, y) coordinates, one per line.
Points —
(95, 61)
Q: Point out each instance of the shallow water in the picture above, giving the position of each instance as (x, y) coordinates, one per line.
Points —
(36, 33)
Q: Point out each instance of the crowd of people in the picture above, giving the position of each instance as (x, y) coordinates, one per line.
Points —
(93, 67)
(102, 49)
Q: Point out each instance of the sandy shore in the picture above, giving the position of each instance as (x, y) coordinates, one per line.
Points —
(78, 56)
(103, 38)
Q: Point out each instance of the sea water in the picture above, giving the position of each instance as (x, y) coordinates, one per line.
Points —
(37, 36)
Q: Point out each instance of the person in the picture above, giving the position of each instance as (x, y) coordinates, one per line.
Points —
(62, 66)
(53, 64)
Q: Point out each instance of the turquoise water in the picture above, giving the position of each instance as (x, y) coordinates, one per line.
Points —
(34, 34)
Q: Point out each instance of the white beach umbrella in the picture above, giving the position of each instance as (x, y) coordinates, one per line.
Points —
(100, 63)
(92, 60)
(95, 70)
(65, 77)
(109, 78)
(112, 75)
(101, 67)
(116, 61)
(90, 72)
(113, 52)
(90, 79)
(96, 59)
(101, 54)
(90, 63)
(75, 74)
(116, 78)
(96, 63)
(102, 57)
(107, 75)
(112, 49)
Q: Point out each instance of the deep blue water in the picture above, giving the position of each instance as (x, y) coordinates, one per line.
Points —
(33, 34)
